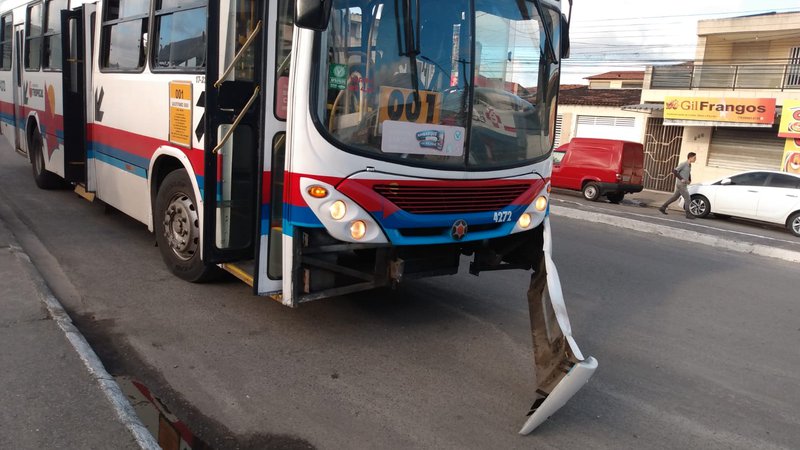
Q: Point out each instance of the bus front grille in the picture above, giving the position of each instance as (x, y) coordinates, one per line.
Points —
(443, 200)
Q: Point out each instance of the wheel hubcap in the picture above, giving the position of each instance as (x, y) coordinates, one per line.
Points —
(796, 226)
(181, 226)
(697, 207)
(591, 192)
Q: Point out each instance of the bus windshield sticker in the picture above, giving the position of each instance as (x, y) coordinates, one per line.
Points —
(337, 78)
(422, 139)
(180, 113)
(401, 104)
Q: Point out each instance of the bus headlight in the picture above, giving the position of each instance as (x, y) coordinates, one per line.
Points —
(358, 229)
(342, 218)
(541, 203)
(534, 213)
(524, 220)
(338, 210)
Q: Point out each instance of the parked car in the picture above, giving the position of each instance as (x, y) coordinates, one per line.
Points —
(599, 167)
(767, 196)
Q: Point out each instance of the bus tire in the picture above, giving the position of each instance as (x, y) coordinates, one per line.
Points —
(176, 222)
(43, 178)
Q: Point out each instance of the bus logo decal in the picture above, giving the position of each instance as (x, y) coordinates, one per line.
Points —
(431, 139)
(459, 229)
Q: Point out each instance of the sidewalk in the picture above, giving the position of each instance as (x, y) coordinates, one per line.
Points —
(50, 399)
(653, 199)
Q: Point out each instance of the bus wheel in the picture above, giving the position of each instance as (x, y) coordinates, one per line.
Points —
(177, 227)
(43, 178)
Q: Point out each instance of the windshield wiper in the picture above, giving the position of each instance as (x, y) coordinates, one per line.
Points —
(411, 42)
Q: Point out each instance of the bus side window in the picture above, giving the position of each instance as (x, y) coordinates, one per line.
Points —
(180, 35)
(6, 32)
(242, 21)
(33, 38)
(283, 54)
(124, 26)
(52, 34)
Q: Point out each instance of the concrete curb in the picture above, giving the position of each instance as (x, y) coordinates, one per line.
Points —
(677, 233)
(119, 402)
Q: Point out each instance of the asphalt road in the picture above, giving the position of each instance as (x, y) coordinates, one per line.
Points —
(698, 347)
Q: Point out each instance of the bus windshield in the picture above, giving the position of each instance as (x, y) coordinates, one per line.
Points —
(438, 84)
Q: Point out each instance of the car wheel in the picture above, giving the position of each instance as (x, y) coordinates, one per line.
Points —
(615, 197)
(699, 207)
(591, 192)
(44, 179)
(177, 229)
(793, 224)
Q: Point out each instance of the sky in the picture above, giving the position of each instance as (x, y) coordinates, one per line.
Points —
(610, 35)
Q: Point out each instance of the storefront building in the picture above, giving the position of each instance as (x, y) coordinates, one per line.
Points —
(727, 105)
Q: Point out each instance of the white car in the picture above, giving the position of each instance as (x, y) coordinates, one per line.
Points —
(764, 195)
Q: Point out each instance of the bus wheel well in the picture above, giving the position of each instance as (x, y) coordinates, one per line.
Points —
(163, 167)
(30, 126)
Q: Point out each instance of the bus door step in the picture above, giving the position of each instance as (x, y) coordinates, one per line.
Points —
(242, 270)
(81, 190)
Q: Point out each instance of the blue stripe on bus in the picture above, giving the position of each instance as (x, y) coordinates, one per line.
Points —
(126, 166)
(302, 216)
(120, 155)
(7, 118)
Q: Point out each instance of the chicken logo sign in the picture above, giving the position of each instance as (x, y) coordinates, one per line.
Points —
(791, 156)
(790, 120)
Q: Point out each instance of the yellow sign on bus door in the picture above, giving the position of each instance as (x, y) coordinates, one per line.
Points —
(180, 113)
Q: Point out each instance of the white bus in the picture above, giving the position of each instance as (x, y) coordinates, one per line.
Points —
(312, 147)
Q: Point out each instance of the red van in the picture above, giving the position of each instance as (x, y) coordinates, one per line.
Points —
(599, 167)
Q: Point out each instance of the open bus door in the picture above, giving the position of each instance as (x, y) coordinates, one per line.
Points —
(74, 65)
(233, 136)
(19, 92)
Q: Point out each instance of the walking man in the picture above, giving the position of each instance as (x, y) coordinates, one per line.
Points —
(683, 178)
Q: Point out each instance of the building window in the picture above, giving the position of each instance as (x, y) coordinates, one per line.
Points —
(599, 85)
(793, 70)
(632, 85)
(52, 34)
(6, 32)
(557, 141)
(33, 38)
(124, 27)
(181, 35)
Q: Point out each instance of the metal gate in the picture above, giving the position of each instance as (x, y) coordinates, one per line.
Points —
(662, 149)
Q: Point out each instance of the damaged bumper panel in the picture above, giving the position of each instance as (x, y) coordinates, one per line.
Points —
(572, 382)
(561, 369)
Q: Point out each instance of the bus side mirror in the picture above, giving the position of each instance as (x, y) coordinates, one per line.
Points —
(564, 37)
(312, 14)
